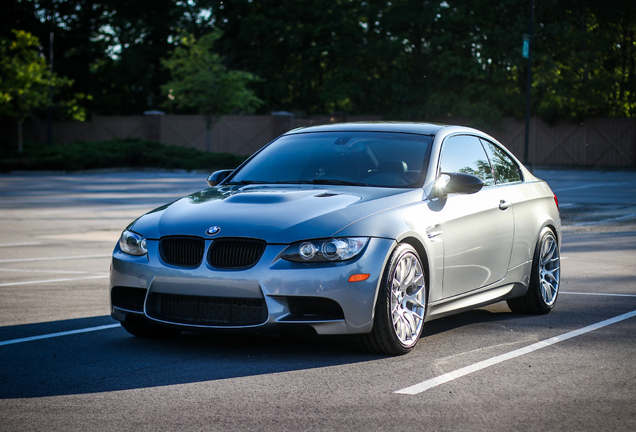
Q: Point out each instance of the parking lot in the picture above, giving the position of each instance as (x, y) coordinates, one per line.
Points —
(66, 365)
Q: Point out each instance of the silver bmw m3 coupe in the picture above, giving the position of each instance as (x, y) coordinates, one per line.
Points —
(354, 228)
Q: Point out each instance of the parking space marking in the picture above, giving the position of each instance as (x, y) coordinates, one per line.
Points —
(111, 208)
(20, 244)
(591, 186)
(598, 294)
(52, 280)
(66, 333)
(54, 258)
(50, 271)
(442, 379)
(603, 221)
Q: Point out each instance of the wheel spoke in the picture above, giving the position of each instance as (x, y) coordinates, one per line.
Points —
(410, 324)
(414, 299)
(550, 274)
(547, 292)
(410, 274)
(414, 314)
(402, 330)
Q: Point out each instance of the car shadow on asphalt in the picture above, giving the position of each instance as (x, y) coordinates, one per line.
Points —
(112, 360)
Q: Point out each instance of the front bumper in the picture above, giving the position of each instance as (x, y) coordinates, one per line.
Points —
(318, 295)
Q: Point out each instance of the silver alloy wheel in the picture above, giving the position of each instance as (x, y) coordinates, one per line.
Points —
(408, 299)
(549, 269)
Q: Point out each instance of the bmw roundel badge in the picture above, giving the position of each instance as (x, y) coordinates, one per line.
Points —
(213, 230)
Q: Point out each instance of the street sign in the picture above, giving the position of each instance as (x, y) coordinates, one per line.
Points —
(526, 46)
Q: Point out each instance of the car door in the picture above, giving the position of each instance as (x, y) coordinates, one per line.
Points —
(478, 228)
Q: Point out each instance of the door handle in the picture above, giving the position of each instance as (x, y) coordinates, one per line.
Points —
(503, 204)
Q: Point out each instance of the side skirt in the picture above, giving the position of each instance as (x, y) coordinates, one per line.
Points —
(503, 290)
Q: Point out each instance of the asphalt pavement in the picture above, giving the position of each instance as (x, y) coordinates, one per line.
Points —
(66, 365)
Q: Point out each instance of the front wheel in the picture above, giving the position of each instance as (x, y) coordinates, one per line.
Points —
(401, 305)
(544, 278)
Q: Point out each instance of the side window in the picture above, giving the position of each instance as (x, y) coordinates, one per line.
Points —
(506, 170)
(464, 154)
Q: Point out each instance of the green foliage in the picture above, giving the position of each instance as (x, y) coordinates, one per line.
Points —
(408, 59)
(201, 81)
(586, 59)
(123, 153)
(26, 83)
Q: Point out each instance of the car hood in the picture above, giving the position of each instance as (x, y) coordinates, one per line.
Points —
(280, 214)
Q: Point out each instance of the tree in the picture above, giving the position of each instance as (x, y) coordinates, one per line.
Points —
(585, 59)
(26, 83)
(202, 82)
(408, 59)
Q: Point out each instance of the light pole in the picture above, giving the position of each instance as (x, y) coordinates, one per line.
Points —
(527, 53)
(50, 109)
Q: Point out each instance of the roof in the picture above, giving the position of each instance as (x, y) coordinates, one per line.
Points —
(417, 128)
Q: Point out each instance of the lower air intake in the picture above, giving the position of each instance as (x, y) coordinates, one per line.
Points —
(207, 311)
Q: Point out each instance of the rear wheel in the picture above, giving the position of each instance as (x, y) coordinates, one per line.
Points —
(142, 327)
(544, 279)
(401, 305)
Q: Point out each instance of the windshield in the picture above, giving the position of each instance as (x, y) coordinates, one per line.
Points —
(380, 159)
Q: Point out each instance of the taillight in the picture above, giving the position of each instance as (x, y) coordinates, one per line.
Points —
(556, 201)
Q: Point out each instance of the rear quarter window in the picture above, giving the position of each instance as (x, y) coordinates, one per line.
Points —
(505, 168)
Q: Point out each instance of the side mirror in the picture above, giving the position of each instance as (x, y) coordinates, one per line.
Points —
(218, 176)
(458, 183)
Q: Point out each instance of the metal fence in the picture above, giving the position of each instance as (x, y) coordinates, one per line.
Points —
(599, 142)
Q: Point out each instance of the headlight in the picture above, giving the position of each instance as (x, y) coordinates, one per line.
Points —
(132, 243)
(333, 249)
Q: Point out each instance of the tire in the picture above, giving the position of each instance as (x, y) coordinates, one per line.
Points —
(142, 327)
(401, 306)
(544, 279)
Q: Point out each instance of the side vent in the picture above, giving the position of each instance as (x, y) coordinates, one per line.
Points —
(326, 195)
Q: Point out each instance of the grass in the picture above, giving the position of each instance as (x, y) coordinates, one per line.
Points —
(119, 153)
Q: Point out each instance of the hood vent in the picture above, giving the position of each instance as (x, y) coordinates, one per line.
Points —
(326, 195)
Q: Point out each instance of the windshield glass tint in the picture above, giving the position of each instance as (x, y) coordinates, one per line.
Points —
(358, 158)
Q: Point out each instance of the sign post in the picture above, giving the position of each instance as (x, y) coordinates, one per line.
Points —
(527, 53)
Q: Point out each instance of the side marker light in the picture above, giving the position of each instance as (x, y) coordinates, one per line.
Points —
(359, 277)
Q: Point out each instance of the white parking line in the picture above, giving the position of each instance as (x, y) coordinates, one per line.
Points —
(442, 379)
(598, 294)
(50, 271)
(52, 280)
(592, 186)
(66, 333)
(53, 258)
(20, 244)
(602, 221)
